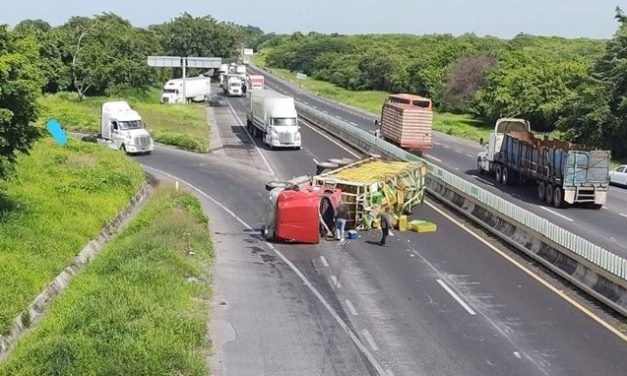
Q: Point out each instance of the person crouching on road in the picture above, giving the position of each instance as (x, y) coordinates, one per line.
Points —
(341, 216)
(385, 226)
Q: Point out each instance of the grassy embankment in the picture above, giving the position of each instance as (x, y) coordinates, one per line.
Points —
(463, 126)
(184, 126)
(138, 309)
(57, 200)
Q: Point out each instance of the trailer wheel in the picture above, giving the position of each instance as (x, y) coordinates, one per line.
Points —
(558, 197)
(541, 191)
(499, 173)
(505, 176)
(549, 194)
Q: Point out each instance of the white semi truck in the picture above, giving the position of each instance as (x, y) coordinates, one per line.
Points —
(273, 117)
(121, 128)
(197, 89)
(234, 85)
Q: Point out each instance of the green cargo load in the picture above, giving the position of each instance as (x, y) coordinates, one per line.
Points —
(370, 185)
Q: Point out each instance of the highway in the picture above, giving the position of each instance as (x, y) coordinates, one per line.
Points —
(604, 227)
(445, 303)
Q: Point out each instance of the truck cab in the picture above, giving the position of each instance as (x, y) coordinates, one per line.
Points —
(234, 86)
(273, 116)
(122, 128)
(493, 147)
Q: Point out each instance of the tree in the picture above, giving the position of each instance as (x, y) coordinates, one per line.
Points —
(20, 84)
(599, 115)
(107, 54)
(56, 73)
(464, 80)
(187, 35)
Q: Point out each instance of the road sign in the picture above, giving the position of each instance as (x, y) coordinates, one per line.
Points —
(301, 76)
(164, 61)
(204, 62)
(248, 51)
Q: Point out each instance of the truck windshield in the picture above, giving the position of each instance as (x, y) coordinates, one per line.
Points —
(169, 91)
(235, 84)
(133, 124)
(283, 121)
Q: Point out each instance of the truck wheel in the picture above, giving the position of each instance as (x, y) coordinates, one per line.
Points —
(596, 206)
(479, 169)
(549, 194)
(123, 148)
(558, 198)
(541, 191)
(277, 184)
(505, 176)
(499, 173)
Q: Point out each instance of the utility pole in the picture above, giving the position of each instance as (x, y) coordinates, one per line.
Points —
(184, 66)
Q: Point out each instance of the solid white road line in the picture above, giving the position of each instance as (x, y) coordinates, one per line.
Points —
(253, 141)
(353, 336)
(433, 158)
(556, 213)
(324, 261)
(456, 297)
(623, 215)
(351, 307)
(370, 340)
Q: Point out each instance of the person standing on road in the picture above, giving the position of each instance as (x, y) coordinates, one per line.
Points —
(341, 216)
(385, 226)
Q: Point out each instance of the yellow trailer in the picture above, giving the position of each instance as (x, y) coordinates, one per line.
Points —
(371, 184)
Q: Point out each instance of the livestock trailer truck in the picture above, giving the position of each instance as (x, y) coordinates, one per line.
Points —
(407, 122)
(563, 172)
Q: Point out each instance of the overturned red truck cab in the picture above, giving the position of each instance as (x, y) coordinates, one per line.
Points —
(296, 213)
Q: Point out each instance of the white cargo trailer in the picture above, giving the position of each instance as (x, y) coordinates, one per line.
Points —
(273, 117)
(197, 89)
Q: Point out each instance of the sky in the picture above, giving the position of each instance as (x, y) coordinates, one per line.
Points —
(502, 18)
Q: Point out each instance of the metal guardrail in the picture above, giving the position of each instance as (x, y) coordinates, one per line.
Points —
(596, 255)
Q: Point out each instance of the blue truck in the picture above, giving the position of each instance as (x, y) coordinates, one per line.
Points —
(563, 172)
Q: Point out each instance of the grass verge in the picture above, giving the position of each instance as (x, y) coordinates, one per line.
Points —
(184, 126)
(138, 308)
(57, 199)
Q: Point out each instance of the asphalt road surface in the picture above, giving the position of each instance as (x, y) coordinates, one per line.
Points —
(444, 303)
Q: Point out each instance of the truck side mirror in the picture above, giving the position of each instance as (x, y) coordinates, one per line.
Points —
(481, 141)
(376, 123)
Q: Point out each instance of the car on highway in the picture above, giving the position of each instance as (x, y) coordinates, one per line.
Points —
(218, 101)
(618, 175)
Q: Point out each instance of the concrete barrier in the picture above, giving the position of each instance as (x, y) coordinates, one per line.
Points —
(35, 311)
